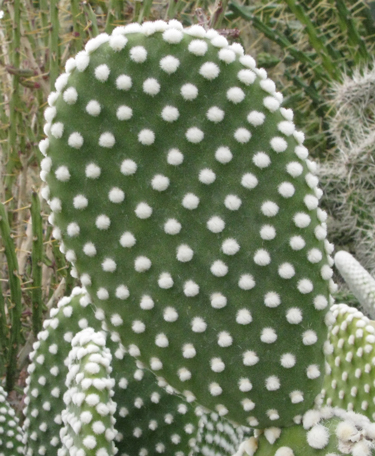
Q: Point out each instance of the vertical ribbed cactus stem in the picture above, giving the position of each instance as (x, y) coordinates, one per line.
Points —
(10, 431)
(37, 257)
(360, 282)
(183, 196)
(350, 375)
(88, 421)
(14, 306)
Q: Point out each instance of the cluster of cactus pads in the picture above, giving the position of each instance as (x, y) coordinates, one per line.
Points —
(183, 195)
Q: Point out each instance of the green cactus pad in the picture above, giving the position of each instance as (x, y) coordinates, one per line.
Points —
(11, 434)
(147, 417)
(350, 374)
(325, 432)
(183, 196)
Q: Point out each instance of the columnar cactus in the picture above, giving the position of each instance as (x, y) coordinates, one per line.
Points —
(350, 377)
(148, 418)
(10, 432)
(360, 282)
(183, 195)
(88, 422)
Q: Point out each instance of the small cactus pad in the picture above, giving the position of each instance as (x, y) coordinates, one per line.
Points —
(350, 375)
(88, 417)
(325, 432)
(360, 282)
(183, 196)
(10, 431)
(148, 418)
(217, 436)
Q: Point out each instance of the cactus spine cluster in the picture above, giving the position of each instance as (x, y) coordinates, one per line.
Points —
(183, 195)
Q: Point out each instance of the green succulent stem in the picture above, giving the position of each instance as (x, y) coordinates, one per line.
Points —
(14, 100)
(36, 256)
(54, 43)
(91, 18)
(15, 308)
(277, 37)
(3, 335)
(173, 8)
(114, 14)
(78, 28)
(315, 40)
(356, 46)
(43, 7)
(144, 10)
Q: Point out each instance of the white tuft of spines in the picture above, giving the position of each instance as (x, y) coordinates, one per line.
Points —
(169, 64)
(124, 82)
(215, 114)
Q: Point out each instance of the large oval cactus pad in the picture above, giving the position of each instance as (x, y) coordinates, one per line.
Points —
(183, 196)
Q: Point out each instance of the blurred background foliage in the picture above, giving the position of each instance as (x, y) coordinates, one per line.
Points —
(308, 48)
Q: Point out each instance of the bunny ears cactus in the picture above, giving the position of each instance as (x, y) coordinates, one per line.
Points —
(105, 405)
(183, 195)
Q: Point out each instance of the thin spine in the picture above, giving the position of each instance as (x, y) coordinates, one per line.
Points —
(91, 16)
(54, 43)
(279, 39)
(114, 15)
(43, 6)
(315, 40)
(145, 10)
(15, 308)
(359, 51)
(218, 16)
(36, 257)
(78, 29)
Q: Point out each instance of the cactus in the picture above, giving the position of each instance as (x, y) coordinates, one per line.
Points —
(88, 421)
(183, 196)
(360, 282)
(10, 431)
(350, 376)
(328, 432)
(147, 418)
(347, 177)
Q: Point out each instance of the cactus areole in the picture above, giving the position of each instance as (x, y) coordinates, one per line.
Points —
(183, 195)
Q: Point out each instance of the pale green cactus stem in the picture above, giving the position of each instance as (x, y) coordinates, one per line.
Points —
(88, 419)
(148, 418)
(183, 195)
(350, 374)
(11, 434)
(360, 282)
(325, 432)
